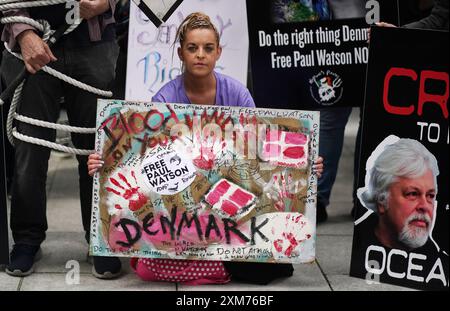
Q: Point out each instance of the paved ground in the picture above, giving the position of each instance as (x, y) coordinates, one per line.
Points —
(65, 242)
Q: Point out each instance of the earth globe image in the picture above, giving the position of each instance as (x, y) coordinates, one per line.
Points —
(289, 11)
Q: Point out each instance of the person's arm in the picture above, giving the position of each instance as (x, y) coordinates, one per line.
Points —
(438, 19)
(13, 30)
(35, 52)
(245, 98)
(158, 98)
(92, 8)
(98, 14)
(168, 93)
(112, 5)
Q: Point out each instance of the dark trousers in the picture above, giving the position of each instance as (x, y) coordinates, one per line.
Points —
(94, 65)
(332, 128)
(9, 150)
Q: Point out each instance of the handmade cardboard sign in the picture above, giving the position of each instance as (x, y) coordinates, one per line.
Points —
(205, 182)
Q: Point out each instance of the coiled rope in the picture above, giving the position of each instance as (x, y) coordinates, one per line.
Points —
(44, 27)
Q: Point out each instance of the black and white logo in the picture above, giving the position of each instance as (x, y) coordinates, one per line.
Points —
(168, 173)
(326, 88)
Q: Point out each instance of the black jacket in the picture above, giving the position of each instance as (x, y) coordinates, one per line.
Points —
(438, 19)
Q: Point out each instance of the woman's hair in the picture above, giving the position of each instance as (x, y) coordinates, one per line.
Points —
(196, 20)
(406, 158)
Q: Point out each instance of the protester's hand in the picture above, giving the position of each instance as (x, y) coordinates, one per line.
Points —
(380, 24)
(318, 167)
(35, 52)
(94, 163)
(383, 24)
(91, 8)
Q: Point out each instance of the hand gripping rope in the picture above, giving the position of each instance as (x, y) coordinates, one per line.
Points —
(49, 36)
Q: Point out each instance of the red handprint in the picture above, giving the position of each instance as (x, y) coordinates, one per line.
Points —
(135, 198)
(289, 237)
(206, 158)
(282, 186)
(210, 147)
(289, 233)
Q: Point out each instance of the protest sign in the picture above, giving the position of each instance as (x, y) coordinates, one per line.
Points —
(152, 53)
(205, 182)
(401, 232)
(303, 58)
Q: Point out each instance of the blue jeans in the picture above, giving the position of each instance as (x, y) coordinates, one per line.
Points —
(332, 127)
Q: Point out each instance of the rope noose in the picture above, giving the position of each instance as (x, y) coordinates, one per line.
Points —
(44, 27)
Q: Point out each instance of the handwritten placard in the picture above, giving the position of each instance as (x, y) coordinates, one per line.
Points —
(205, 182)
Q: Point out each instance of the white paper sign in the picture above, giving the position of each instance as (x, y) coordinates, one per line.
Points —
(152, 56)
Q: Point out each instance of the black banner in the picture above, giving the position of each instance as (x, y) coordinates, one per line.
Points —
(309, 64)
(4, 248)
(402, 230)
(311, 54)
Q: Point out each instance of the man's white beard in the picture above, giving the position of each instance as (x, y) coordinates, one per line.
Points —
(412, 236)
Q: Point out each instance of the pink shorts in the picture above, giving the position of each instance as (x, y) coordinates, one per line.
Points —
(187, 272)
